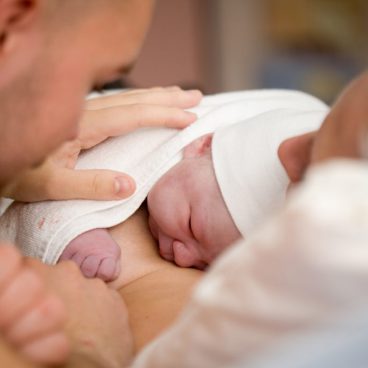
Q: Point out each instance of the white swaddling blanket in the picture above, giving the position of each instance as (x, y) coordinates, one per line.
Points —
(43, 230)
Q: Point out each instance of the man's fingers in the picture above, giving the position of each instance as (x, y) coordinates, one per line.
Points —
(51, 349)
(124, 119)
(45, 317)
(90, 184)
(62, 183)
(170, 97)
(173, 96)
(120, 120)
(10, 264)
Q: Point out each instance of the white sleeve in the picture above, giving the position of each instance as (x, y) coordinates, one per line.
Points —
(308, 266)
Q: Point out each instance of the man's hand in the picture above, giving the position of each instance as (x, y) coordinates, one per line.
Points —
(109, 116)
(97, 323)
(31, 318)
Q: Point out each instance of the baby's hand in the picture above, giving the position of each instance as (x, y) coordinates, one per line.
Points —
(96, 254)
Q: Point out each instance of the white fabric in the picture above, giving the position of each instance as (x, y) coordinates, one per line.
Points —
(251, 178)
(291, 280)
(4, 204)
(338, 342)
(43, 230)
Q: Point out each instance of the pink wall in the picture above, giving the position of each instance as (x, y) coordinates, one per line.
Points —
(172, 53)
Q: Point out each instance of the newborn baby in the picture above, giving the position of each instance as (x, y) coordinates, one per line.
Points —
(188, 217)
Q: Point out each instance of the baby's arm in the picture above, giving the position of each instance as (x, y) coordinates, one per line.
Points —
(96, 254)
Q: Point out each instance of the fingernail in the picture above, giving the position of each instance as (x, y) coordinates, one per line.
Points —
(193, 91)
(123, 185)
(191, 116)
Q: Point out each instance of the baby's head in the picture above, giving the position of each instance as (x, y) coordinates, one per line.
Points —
(224, 187)
(188, 215)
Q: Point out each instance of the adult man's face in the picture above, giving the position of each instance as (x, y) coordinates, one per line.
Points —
(342, 134)
(52, 53)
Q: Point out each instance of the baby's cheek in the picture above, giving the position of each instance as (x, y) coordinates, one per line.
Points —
(230, 232)
(153, 227)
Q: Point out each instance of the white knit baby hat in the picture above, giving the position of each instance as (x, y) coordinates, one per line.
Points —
(251, 177)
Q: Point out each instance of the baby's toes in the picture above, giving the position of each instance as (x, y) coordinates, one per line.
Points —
(96, 253)
(109, 269)
(89, 266)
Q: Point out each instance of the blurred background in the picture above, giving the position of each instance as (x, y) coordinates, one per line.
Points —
(222, 45)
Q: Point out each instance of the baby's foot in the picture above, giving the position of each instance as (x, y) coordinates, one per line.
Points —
(96, 253)
(31, 319)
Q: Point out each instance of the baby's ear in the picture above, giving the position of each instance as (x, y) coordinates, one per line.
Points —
(199, 147)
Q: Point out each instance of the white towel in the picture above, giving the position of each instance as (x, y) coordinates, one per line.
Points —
(43, 230)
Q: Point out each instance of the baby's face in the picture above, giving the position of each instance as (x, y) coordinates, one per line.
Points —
(188, 215)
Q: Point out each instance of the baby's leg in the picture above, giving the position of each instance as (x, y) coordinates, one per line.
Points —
(96, 253)
(31, 319)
